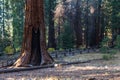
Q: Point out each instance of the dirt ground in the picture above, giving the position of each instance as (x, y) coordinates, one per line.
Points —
(93, 70)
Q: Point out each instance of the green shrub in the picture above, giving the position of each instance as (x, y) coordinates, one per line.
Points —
(51, 49)
(104, 49)
(108, 56)
(66, 39)
(117, 42)
(114, 51)
(105, 45)
(105, 42)
(61, 49)
(3, 43)
(9, 50)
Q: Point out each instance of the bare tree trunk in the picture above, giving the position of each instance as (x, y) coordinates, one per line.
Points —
(87, 24)
(51, 37)
(77, 26)
(91, 31)
(98, 24)
(34, 42)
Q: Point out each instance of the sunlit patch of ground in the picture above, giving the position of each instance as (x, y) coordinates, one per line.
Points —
(71, 72)
(92, 56)
(83, 57)
(98, 69)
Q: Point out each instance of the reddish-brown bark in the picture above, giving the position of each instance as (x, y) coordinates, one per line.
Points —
(34, 42)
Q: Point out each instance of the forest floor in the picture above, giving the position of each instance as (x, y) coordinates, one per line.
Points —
(98, 69)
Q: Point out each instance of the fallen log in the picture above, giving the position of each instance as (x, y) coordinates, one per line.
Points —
(8, 70)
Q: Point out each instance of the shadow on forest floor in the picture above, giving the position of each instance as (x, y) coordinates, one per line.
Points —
(93, 70)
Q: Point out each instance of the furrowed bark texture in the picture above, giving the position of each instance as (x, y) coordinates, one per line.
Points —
(34, 50)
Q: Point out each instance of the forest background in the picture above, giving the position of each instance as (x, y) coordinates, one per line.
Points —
(70, 24)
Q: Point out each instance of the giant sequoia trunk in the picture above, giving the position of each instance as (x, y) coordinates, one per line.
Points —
(34, 45)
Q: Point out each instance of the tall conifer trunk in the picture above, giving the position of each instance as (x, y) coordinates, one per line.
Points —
(51, 33)
(77, 25)
(34, 42)
(98, 24)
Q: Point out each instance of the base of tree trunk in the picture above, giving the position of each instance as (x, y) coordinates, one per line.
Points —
(25, 60)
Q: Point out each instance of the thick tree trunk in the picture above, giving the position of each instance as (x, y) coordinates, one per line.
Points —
(34, 42)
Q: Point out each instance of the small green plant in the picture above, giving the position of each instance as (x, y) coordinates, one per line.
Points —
(51, 49)
(3, 43)
(113, 51)
(104, 49)
(108, 56)
(61, 49)
(105, 42)
(105, 45)
(117, 42)
(9, 50)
